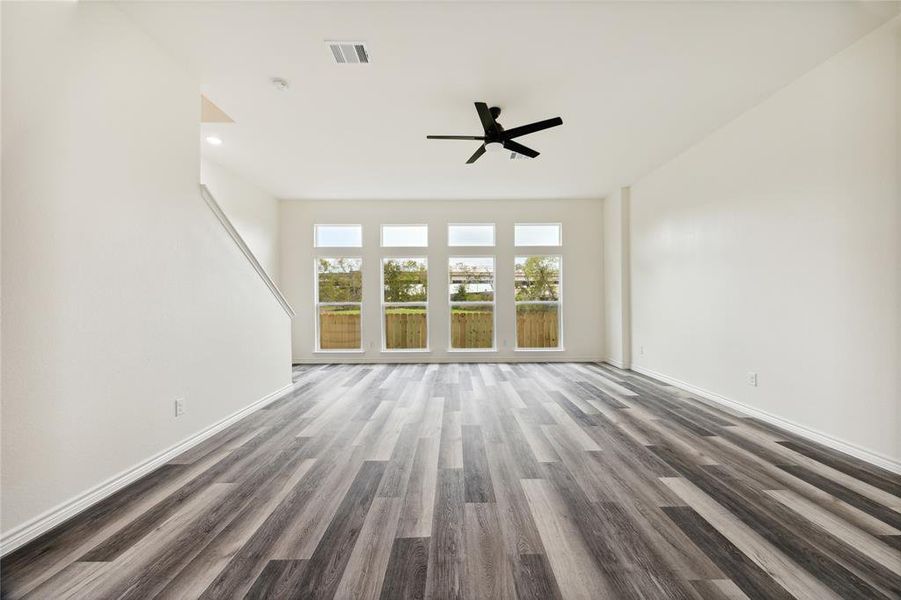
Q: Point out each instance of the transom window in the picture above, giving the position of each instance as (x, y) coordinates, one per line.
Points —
(537, 234)
(471, 234)
(338, 236)
(471, 290)
(405, 236)
(537, 298)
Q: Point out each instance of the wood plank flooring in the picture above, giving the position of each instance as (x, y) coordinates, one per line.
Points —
(529, 481)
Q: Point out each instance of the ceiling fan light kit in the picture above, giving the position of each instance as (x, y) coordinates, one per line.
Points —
(496, 138)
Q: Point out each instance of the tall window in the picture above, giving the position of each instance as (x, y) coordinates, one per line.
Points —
(537, 296)
(471, 302)
(339, 300)
(405, 296)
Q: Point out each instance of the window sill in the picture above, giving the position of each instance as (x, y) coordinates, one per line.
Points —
(359, 351)
(406, 351)
(470, 350)
(539, 349)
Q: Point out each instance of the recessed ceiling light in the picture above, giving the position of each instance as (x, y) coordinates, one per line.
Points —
(213, 140)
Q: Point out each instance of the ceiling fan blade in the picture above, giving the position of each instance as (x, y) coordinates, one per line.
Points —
(520, 149)
(455, 137)
(479, 152)
(532, 128)
(488, 122)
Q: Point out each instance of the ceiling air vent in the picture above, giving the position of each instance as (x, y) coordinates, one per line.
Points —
(349, 52)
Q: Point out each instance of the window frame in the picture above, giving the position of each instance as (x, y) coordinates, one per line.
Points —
(493, 243)
(559, 243)
(382, 235)
(452, 303)
(317, 340)
(383, 305)
(559, 302)
(316, 227)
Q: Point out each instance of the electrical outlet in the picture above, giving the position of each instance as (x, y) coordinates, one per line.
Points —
(641, 350)
(752, 378)
(179, 407)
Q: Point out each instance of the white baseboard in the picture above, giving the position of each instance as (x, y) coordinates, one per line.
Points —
(616, 363)
(22, 534)
(424, 358)
(875, 458)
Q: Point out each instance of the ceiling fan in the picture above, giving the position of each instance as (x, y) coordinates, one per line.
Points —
(496, 137)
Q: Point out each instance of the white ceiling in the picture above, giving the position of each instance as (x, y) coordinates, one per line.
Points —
(636, 83)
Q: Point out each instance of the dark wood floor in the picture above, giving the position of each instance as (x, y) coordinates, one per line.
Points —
(484, 481)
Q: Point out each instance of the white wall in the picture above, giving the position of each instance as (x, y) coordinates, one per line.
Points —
(582, 260)
(121, 291)
(252, 210)
(617, 329)
(774, 246)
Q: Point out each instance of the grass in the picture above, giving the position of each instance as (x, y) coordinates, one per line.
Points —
(398, 310)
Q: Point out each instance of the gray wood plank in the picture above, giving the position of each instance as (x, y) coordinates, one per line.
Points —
(534, 578)
(445, 572)
(405, 576)
(325, 568)
(477, 478)
(748, 576)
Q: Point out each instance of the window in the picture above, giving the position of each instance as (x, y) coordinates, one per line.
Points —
(471, 302)
(405, 296)
(470, 235)
(338, 236)
(537, 234)
(405, 236)
(339, 300)
(537, 296)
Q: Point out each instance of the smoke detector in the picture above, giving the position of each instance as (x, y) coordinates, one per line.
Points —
(346, 53)
(279, 84)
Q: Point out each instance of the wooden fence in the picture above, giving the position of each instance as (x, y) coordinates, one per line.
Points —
(471, 329)
(539, 329)
(341, 331)
(406, 330)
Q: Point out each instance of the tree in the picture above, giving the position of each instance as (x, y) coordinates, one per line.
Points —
(405, 281)
(540, 276)
(461, 294)
(463, 274)
(340, 280)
